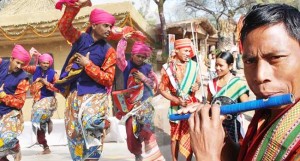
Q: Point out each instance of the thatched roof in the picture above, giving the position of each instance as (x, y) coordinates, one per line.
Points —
(201, 25)
(35, 21)
(17, 7)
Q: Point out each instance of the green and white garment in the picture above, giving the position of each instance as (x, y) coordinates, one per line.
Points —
(233, 89)
(183, 89)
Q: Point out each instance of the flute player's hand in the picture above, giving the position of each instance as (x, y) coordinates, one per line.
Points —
(206, 131)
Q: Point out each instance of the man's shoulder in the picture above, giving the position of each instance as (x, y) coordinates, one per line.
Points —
(4, 62)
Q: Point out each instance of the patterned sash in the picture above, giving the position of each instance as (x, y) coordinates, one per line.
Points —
(69, 75)
(281, 137)
(189, 79)
(126, 99)
(187, 82)
(234, 89)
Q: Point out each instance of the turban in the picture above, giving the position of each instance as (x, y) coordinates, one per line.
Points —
(100, 16)
(46, 58)
(21, 54)
(41, 57)
(184, 43)
(141, 48)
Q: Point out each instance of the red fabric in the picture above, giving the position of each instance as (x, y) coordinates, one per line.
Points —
(66, 27)
(60, 3)
(17, 99)
(254, 137)
(130, 94)
(295, 154)
(133, 144)
(117, 33)
(41, 137)
(4, 159)
(105, 74)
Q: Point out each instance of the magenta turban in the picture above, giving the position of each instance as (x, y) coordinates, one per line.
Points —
(21, 54)
(46, 58)
(100, 16)
(141, 48)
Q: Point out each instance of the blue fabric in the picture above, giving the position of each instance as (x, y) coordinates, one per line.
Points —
(50, 77)
(145, 69)
(11, 81)
(98, 50)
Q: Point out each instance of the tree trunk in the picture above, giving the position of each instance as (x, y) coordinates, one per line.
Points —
(225, 37)
(163, 27)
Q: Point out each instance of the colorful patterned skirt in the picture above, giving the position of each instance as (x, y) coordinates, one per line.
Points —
(180, 132)
(42, 111)
(85, 121)
(144, 130)
(11, 126)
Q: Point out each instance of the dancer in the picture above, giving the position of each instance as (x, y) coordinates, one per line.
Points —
(86, 78)
(42, 90)
(13, 86)
(179, 76)
(141, 81)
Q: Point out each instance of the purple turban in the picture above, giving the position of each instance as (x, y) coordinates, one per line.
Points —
(21, 54)
(100, 16)
(141, 48)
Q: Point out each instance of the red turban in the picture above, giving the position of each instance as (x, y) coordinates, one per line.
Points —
(100, 16)
(141, 48)
(21, 54)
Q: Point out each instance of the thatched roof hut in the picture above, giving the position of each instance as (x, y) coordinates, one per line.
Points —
(203, 30)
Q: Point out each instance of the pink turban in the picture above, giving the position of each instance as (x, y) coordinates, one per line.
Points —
(141, 48)
(21, 54)
(41, 57)
(46, 58)
(100, 16)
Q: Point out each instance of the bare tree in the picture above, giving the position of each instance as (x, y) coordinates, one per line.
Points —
(144, 9)
(223, 12)
(3, 3)
(160, 5)
(295, 3)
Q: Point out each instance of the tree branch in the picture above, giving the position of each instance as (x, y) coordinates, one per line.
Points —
(243, 5)
(193, 4)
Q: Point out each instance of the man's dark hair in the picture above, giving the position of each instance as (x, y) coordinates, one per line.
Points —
(272, 14)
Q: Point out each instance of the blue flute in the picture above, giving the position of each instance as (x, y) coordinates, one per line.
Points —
(246, 106)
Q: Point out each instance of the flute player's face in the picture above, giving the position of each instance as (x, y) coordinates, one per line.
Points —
(272, 61)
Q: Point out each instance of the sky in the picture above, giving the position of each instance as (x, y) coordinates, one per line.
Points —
(169, 4)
